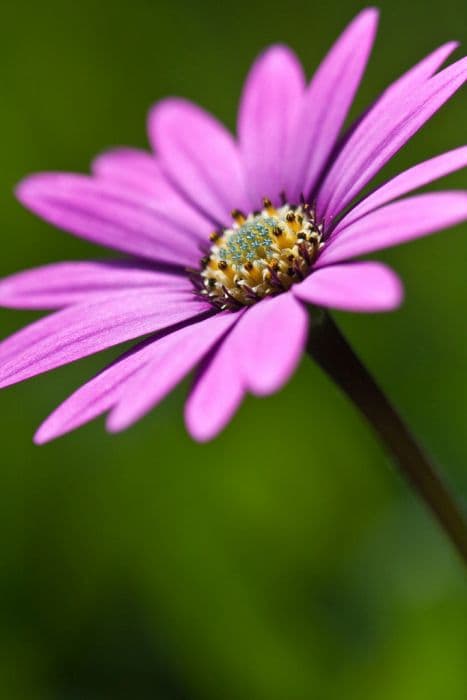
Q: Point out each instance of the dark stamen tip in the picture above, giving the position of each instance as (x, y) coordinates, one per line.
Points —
(237, 214)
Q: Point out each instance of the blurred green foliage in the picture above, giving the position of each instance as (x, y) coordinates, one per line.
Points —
(286, 560)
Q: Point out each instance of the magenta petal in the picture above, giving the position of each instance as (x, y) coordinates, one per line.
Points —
(199, 156)
(267, 119)
(91, 209)
(381, 134)
(95, 397)
(138, 175)
(63, 284)
(217, 393)
(130, 168)
(259, 354)
(396, 223)
(406, 83)
(269, 341)
(171, 359)
(412, 179)
(106, 389)
(418, 74)
(90, 327)
(365, 286)
(327, 102)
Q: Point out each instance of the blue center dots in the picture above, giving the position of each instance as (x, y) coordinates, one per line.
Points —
(251, 242)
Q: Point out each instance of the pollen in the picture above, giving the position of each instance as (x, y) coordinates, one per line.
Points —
(262, 254)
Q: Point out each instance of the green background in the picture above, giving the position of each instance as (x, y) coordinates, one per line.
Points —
(286, 560)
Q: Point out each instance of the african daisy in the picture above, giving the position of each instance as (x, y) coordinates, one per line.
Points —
(227, 240)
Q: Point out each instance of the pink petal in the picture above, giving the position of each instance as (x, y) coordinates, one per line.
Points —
(365, 286)
(90, 327)
(172, 358)
(406, 83)
(417, 176)
(96, 396)
(106, 389)
(381, 134)
(63, 284)
(419, 73)
(138, 175)
(327, 102)
(130, 168)
(396, 223)
(216, 394)
(269, 342)
(267, 117)
(199, 157)
(91, 209)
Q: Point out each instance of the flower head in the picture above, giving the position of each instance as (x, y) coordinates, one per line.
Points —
(260, 256)
(227, 240)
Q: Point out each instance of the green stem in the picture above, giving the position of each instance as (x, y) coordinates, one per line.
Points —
(332, 352)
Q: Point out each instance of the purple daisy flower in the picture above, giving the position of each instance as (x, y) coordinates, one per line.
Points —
(228, 240)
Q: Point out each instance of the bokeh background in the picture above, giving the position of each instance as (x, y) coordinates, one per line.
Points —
(286, 560)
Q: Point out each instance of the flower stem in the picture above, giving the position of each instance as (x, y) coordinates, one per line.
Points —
(328, 347)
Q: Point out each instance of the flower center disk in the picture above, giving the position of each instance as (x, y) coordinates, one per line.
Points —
(261, 255)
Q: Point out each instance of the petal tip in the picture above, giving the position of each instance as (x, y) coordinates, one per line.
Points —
(116, 423)
(369, 15)
(200, 429)
(199, 433)
(390, 294)
(24, 188)
(33, 189)
(164, 109)
(266, 387)
(399, 292)
(6, 291)
(43, 435)
(279, 51)
(451, 45)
